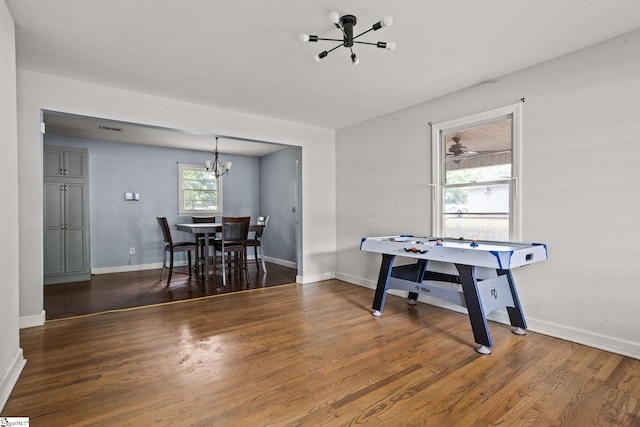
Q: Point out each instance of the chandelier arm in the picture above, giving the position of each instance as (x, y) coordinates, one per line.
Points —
(332, 40)
(362, 33)
(331, 50)
(372, 44)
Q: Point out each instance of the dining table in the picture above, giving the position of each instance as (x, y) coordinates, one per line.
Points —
(208, 230)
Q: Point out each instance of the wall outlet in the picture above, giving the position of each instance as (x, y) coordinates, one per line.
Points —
(132, 251)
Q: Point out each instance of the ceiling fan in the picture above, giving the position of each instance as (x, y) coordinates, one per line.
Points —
(457, 149)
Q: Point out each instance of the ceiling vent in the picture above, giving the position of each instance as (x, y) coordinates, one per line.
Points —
(110, 128)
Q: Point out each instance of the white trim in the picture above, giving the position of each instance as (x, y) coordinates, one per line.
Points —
(158, 265)
(281, 262)
(567, 333)
(371, 284)
(315, 278)
(32, 321)
(438, 129)
(581, 336)
(134, 267)
(184, 212)
(10, 377)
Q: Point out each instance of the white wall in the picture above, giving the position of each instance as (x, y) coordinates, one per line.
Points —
(11, 360)
(38, 91)
(580, 188)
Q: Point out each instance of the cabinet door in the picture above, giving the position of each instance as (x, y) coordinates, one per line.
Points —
(75, 228)
(54, 252)
(53, 163)
(74, 164)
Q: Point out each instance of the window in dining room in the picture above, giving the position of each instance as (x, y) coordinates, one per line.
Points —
(199, 191)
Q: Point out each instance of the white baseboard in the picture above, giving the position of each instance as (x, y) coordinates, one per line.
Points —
(158, 265)
(371, 284)
(567, 333)
(134, 267)
(315, 278)
(277, 261)
(580, 336)
(31, 321)
(10, 377)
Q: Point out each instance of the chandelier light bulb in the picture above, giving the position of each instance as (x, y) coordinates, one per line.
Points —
(334, 17)
(321, 55)
(354, 59)
(391, 46)
(387, 21)
(303, 37)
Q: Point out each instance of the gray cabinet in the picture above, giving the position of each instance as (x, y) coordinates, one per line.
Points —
(65, 163)
(66, 220)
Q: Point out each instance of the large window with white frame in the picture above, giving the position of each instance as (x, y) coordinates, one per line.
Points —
(200, 193)
(476, 171)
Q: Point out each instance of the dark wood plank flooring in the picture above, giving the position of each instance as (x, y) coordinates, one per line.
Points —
(116, 291)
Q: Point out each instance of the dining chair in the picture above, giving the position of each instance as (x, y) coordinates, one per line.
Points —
(233, 246)
(200, 237)
(172, 247)
(256, 242)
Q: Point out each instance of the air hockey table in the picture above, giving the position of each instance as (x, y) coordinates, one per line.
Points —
(475, 274)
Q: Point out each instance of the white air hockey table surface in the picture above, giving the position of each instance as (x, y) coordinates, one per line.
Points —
(481, 270)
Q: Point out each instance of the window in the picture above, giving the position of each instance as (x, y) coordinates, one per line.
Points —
(199, 191)
(476, 170)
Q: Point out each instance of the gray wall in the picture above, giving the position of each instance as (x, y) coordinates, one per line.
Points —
(278, 189)
(116, 168)
(579, 188)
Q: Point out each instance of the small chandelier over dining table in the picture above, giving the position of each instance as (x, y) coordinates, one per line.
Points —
(215, 167)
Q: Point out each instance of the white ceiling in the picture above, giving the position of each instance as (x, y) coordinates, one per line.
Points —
(246, 56)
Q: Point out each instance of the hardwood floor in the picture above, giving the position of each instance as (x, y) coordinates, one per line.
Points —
(125, 290)
(310, 355)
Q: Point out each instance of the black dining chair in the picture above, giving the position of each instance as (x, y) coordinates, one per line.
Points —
(200, 237)
(172, 247)
(233, 246)
(256, 241)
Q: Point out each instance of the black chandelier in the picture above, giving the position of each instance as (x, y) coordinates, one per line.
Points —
(346, 24)
(215, 167)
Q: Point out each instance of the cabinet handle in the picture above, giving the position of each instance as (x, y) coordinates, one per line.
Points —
(60, 171)
(61, 226)
(65, 171)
